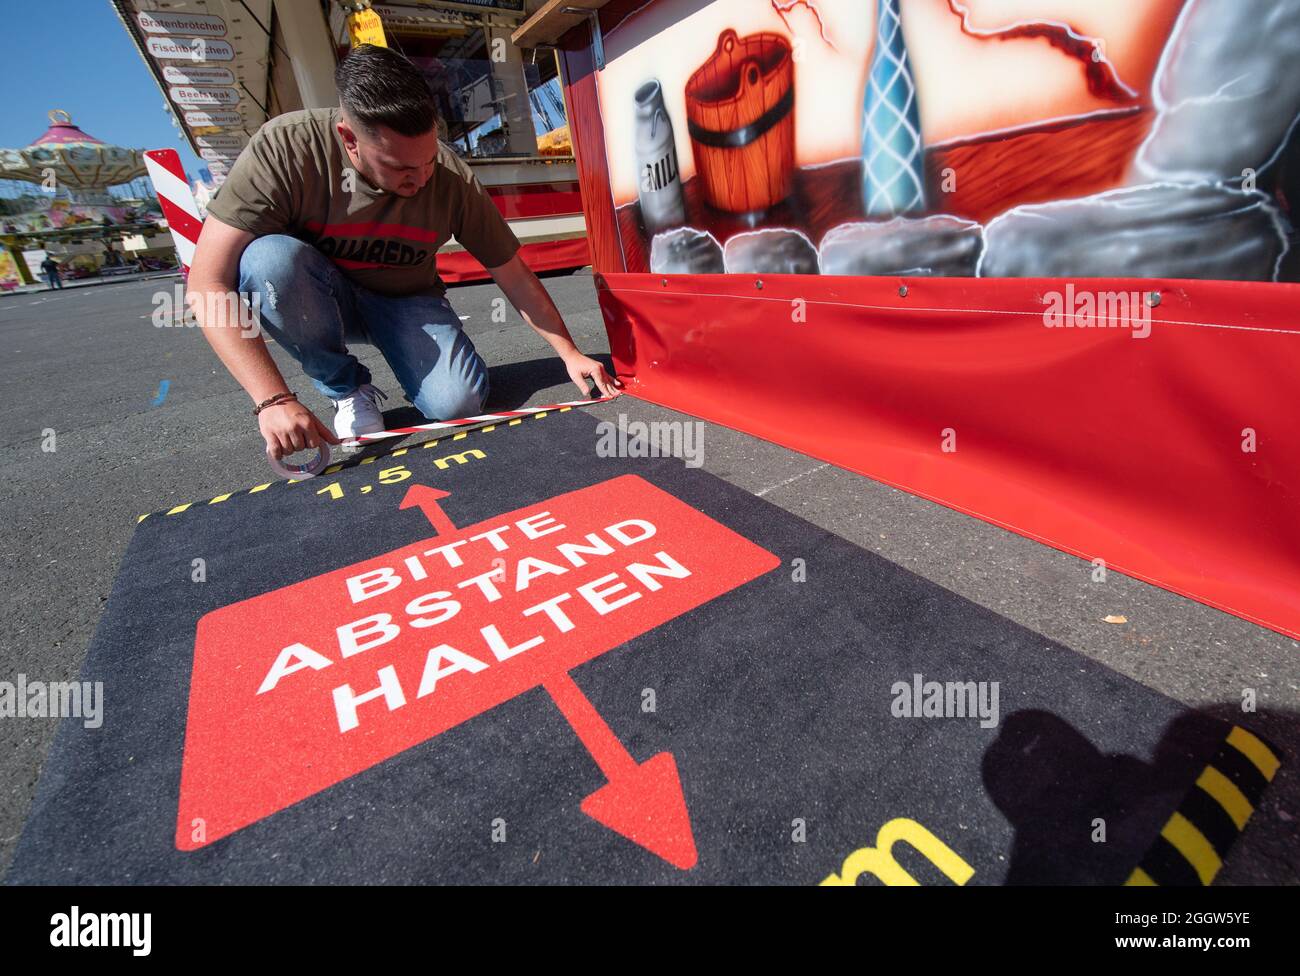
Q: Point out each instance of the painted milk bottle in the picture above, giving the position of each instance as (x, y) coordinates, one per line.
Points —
(659, 183)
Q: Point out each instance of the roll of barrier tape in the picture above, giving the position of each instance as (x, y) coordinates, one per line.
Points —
(308, 470)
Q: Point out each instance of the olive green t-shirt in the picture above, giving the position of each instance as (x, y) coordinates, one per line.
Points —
(295, 178)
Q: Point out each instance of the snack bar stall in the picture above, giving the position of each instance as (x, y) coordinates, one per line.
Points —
(226, 66)
(1023, 259)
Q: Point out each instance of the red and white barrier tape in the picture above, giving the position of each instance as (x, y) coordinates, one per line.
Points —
(465, 421)
(177, 200)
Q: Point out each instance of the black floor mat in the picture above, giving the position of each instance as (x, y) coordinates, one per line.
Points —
(721, 692)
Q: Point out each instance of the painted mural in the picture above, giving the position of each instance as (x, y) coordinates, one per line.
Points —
(993, 138)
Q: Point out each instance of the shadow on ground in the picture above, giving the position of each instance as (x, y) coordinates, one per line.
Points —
(1060, 793)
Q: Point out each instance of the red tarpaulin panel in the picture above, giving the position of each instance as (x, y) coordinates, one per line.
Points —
(1174, 457)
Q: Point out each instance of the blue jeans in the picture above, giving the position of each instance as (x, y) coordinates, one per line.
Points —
(313, 311)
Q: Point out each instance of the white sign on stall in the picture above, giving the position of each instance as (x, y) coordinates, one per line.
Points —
(214, 118)
(198, 76)
(221, 142)
(191, 95)
(170, 23)
(189, 49)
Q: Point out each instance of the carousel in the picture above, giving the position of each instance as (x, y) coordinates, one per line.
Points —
(68, 213)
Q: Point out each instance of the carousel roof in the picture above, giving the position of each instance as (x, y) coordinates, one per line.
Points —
(62, 133)
(79, 161)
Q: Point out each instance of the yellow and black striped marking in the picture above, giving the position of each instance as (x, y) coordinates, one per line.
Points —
(1192, 845)
(354, 462)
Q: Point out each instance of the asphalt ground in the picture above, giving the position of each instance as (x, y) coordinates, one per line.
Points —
(89, 364)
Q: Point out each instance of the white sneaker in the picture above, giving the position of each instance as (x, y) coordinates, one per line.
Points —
(358, 412)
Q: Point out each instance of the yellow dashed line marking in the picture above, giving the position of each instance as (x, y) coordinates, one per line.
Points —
(1191, 843)
(1255, 751)
(1248, 744)
(1186, 837)
(1226, 794)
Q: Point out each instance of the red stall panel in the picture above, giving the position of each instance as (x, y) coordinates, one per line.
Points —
(1174, 457)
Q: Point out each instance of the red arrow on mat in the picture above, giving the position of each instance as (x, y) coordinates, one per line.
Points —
(643, 802)
(283, 703)
(426, 500)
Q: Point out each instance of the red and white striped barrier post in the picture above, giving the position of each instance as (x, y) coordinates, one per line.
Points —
(177, 200)
(182, 213)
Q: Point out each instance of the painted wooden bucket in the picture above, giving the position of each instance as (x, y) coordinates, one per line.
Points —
(740, 115)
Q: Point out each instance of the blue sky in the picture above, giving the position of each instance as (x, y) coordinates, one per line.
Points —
(76, 55)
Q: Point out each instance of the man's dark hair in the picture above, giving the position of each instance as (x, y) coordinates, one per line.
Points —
(377, 86)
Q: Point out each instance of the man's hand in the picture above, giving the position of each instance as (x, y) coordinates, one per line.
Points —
(583, 368)
(289, 426)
